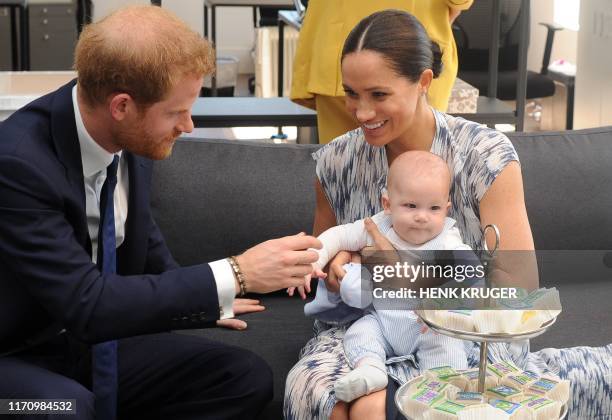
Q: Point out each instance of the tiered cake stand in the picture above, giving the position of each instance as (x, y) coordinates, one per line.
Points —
(483, 338)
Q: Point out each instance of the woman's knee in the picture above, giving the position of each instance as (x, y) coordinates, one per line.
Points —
(370, 407)
(340, 411)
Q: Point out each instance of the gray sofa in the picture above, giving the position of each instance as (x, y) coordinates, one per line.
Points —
(214, 198)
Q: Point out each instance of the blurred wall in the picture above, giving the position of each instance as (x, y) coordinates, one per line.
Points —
(235, 32)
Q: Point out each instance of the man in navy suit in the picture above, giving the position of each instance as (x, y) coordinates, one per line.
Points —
(139, 73)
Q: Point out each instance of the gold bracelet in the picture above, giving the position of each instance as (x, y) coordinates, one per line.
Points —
(238, 274)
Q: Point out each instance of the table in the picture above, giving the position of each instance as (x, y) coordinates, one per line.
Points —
(213, 4)
(254, 112)
(19, 88)
(250, 112)
(21, 60)
(490, 111)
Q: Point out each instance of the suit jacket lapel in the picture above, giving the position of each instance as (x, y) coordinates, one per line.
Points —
(66, 142)
(132, 253)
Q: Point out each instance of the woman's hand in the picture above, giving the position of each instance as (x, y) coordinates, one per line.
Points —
(241, 306)
(378, 254)
(380, 242)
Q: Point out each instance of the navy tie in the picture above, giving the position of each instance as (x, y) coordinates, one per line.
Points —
(104, 355)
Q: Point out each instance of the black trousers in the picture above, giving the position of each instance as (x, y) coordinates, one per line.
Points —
(391, 411)
(161, 376)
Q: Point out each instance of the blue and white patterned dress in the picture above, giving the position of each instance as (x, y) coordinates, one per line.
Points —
(353, 174)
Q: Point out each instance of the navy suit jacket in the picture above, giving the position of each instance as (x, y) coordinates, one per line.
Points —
(47, 279)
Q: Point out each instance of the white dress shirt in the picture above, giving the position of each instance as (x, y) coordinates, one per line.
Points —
(95, 160)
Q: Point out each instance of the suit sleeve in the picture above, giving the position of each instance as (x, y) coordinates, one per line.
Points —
(159, 259)
(39, 247)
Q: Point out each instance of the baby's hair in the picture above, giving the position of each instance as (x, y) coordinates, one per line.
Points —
(417, 164)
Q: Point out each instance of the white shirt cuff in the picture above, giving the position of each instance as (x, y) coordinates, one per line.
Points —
(226, 287)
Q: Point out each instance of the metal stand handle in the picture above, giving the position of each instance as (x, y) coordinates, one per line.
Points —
(482, 366)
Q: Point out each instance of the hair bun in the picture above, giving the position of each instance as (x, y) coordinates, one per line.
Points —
(436, 65)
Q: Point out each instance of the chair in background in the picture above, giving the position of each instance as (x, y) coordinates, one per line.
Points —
(84, 13)
(473, 40)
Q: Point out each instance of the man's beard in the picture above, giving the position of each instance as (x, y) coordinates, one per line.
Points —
(140, 141)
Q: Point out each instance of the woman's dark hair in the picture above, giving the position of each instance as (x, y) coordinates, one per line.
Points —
(401, 39)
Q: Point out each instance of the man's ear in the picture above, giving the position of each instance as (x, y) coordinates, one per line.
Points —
(120, 105)
(386, 203)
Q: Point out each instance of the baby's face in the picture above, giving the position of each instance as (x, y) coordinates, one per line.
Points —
(418, 208)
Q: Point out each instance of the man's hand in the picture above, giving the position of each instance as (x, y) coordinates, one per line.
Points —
(241, 306)
(278, 263)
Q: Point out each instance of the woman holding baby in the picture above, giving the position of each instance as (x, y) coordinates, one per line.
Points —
(388, 63)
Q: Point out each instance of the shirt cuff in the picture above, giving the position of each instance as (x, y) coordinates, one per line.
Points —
(226, 287)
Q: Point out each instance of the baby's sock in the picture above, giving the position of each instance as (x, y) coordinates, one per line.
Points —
(368, 377)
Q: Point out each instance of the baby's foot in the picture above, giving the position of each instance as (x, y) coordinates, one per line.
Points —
(361, 381)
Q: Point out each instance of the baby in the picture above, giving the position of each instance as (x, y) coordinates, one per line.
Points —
(414, 218)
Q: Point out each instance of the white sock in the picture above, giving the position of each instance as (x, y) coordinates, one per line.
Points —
(368, 377)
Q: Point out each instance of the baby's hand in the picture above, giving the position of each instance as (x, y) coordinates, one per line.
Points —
(317, 272)
(303, 290)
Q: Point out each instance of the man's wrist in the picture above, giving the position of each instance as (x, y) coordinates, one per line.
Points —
(239, 280)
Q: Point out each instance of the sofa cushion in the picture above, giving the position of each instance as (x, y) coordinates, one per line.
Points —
(215, 198)
(568, 187)
(277, 335)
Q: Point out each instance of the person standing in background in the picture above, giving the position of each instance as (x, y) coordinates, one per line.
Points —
(317, 82)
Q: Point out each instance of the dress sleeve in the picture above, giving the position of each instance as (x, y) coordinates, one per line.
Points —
(330, 160)
(491, 153)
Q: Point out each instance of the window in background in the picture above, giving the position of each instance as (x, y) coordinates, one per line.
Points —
(566, 13)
